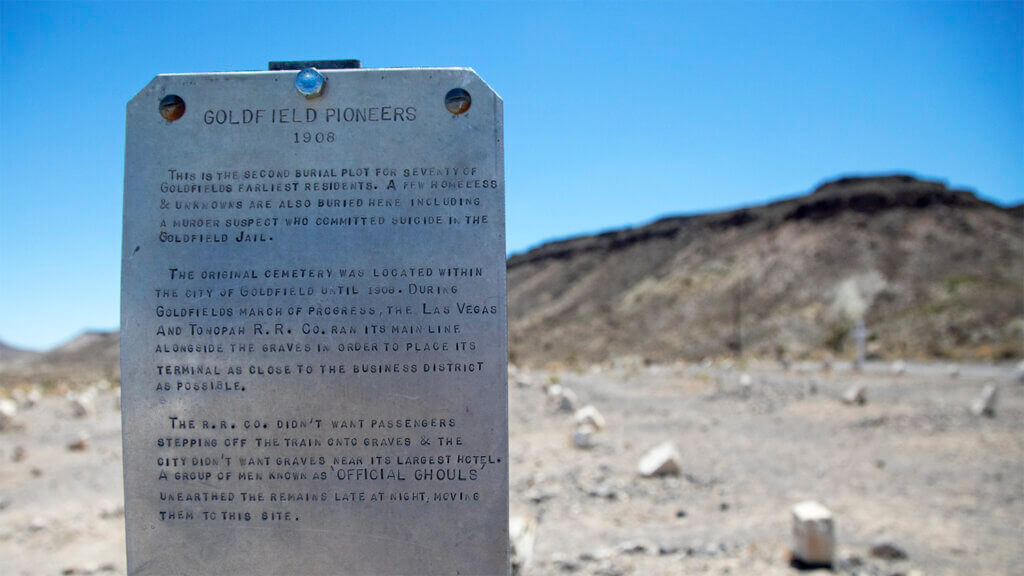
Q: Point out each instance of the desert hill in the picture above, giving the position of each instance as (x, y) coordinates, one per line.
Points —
(85, 359)
(936, 272)
(11, 354)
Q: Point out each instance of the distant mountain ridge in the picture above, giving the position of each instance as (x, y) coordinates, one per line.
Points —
(855, 194)
(937, 272)
(86, 358)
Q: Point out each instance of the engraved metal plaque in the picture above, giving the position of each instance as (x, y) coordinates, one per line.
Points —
(314, 324)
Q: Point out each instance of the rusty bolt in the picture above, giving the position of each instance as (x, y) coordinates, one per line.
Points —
(309, 82)
(457, 101)
(172, 107)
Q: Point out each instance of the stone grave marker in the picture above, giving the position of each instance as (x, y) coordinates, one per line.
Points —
(314, 345)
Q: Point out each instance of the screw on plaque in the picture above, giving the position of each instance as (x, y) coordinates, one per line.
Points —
(172, 107)
(309, 82)
(457, 101)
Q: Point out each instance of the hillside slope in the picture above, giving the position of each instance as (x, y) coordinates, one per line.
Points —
(936, 272)
(85, 359)
(11, 354)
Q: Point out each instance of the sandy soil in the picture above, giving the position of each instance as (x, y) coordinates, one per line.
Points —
(913, 467)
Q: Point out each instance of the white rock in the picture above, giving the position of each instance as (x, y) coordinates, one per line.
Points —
(985, 405)
(8, 412)
(1020, 372)
(522, 534)
(746, 383)
(81, 406)
(952, 370)
(82, 402)
(520, 378)
(33, 398)
(814, 537)
(899, 368)
(589, 415)
(583, 436)
(662, 460)
(857, 394)
(563, 399)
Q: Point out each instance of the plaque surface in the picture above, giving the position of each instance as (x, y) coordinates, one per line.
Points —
(314, 325)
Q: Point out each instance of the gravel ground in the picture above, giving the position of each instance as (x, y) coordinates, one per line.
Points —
(912, 467)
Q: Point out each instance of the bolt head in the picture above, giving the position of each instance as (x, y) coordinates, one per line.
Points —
(172, 107)
(309, 82)
(457, 101)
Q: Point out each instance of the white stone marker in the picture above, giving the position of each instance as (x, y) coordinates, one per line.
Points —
(589, 415)
(561, 398)
(522, 535)
(8, 413)
(899, 368)
(856, 395)
(662, 460)
(985, 405)
(313, 324)
(814, 539)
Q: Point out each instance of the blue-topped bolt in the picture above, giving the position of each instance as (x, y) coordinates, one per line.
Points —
(309, 82)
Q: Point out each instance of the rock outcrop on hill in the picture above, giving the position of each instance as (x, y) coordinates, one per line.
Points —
(936, 272)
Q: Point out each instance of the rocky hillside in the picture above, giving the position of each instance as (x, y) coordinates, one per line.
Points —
(935, 272)
(85, 359)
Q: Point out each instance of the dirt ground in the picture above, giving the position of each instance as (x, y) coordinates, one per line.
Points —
(913, 467)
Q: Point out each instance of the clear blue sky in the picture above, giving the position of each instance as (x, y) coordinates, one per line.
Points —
(615, 113)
